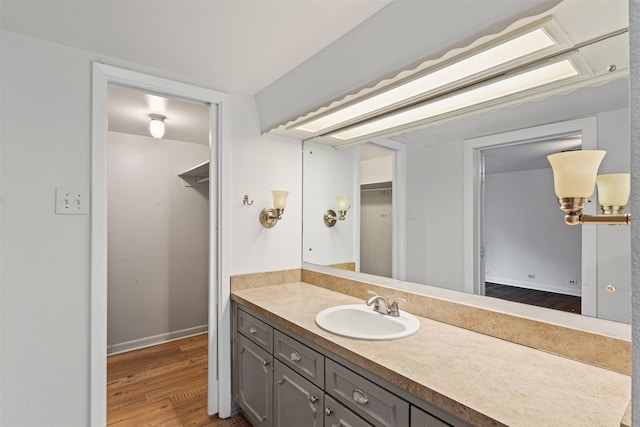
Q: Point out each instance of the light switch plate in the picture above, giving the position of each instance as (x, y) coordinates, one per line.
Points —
(72, 201)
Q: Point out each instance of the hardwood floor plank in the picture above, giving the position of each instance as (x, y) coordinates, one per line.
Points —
(163, 385)
(569, 303)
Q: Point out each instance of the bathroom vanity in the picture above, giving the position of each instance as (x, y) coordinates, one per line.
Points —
(290, 372)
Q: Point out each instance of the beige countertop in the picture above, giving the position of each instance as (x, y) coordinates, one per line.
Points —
(483, 380)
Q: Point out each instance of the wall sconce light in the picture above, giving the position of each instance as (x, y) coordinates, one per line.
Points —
(574, 178)
(330, 217)
(156, 125)
(269, 217)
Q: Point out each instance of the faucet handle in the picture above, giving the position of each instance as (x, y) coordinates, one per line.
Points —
(393, 307)
(372, 293)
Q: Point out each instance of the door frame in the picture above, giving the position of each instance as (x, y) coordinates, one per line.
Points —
(399, 206)
(219, 394)
(473, 202)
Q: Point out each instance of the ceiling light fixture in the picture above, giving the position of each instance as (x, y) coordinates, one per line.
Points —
(473, 97)
(156, 125)
(490, 59)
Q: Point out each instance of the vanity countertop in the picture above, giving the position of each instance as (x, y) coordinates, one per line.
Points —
(483, 380)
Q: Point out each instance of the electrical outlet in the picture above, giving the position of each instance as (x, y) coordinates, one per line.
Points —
(573, 282)
(72, 201)
(532, 276)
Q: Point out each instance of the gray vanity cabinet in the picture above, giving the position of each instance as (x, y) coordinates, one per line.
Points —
(420, 418)
(337, 415)
(371, 402)
(254, 382)
(281, 382)
(296, 402)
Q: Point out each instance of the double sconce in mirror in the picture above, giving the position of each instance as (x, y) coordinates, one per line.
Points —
(574, 178)
(269, 217)
(330, 218)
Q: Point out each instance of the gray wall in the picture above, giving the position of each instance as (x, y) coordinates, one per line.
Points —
(376, 229)
(158, 242)
(524, 234)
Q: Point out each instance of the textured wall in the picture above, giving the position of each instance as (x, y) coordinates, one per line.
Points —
(634, 25)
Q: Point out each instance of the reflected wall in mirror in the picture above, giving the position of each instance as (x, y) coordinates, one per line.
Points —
(434, 210)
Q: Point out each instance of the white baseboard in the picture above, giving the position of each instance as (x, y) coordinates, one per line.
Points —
(154, 340)
(535, 286)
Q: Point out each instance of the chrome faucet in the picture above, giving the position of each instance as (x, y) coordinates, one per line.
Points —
(382, 306)
(380, 303)
(394, 311)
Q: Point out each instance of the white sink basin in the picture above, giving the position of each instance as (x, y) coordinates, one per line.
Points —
(361, 322)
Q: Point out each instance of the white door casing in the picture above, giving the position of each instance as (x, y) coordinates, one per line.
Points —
(219, 398)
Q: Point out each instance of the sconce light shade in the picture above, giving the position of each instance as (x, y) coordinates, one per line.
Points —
(330, 217)
(279, 199)
(269, 217)
(342, 203)
(156, 125)
(574, 172)
(613, 190)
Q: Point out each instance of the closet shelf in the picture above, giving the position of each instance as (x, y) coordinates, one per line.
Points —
(198, 174)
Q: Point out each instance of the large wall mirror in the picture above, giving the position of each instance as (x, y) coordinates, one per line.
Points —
(417, 212)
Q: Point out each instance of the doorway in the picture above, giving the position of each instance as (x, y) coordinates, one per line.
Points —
(219, 385)
(158, 219)
(529, 256)
(475, 222)
(376, 210)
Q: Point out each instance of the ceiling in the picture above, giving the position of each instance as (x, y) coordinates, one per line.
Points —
(230, 45)
(128, 112)
(245, 46)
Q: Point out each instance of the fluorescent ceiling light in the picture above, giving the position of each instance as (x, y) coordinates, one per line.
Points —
(521, 82)
(511, 50)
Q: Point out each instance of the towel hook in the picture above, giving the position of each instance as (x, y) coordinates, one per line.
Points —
(245, 201)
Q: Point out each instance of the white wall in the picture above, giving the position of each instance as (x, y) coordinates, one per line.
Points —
(260, 164)
(379, 169)
(329, 173)
(614, 243)
(46, 141)
(435, 203)
(158, 243)
(525, 234)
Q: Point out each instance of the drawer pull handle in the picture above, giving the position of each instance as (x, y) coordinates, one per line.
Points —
(265, 363)
(313, 399)
(328, 411)
(359, 397)
(295, 357)
(252, 330)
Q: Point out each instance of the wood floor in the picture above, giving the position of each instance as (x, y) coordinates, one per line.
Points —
(163, 385)
(569, 303)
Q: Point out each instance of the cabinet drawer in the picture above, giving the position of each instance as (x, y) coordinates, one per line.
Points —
(299, 357)
(365, 398)
(336, 415)
(419, 418)
(256, 330)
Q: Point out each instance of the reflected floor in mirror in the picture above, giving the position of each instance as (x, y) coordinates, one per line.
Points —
(162, 385)
(569, 303)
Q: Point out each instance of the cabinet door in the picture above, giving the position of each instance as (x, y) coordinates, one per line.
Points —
(296, 402)
(337, 415)
(419, 418)
(254, 382)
